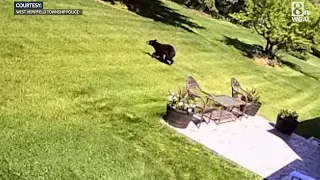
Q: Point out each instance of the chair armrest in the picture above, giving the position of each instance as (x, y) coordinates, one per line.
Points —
(208, 94)
(244, 95)
(196, 96)
(245, 91)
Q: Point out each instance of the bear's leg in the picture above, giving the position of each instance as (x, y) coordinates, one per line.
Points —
(169, 58)
(153, 55)
(164, 57)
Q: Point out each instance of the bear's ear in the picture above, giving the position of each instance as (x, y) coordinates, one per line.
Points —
(155, 40)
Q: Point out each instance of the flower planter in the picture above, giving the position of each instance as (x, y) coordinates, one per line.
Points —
(287, 125)
(252, 108)
(178, 118)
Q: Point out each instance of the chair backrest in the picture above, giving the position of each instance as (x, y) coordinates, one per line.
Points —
(192, 86)
(235, 87)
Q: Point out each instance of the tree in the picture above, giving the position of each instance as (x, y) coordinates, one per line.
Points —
(272, 20)
(315, 2)
(226, 7)
(207, 6)
(213, 7)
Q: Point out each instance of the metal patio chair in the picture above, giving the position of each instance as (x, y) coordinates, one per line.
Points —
(239, 93)
(194, 91)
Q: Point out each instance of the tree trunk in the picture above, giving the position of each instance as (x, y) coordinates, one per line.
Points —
(269, 50)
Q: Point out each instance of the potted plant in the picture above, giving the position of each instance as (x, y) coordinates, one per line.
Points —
(180, 109)
(252, 102)
(287, 121)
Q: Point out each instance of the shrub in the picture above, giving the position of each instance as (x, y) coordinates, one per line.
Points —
(253, 95)
(287, 114)
(181, 101)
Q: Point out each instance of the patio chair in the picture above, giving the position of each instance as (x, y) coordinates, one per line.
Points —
(194, 91)
(239, 93)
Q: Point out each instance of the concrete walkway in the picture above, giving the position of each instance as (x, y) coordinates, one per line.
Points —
(254, 144)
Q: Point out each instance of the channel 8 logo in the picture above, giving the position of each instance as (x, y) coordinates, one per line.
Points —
(297, 8)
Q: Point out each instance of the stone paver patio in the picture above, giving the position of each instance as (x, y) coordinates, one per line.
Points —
(254, 144)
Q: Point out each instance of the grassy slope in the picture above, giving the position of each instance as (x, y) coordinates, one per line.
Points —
(309, 67)
(80, 100)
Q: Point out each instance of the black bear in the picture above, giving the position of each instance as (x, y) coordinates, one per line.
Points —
(165, 52)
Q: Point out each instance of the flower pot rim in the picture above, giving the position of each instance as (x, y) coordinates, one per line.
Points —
(287, 117)
(180, 111)
(255, 102)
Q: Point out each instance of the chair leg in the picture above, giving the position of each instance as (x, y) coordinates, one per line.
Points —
(240, 117)
(221, 112)
(236, 114)
(239, 113)
(199, 121)
(198, 125)
(210, 116)
(202, 118)
(246, 116)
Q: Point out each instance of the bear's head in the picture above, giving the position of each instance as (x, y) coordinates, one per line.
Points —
(152, 42)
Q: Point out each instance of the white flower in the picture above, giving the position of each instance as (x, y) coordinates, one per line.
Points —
(170, 98)
(189, 110)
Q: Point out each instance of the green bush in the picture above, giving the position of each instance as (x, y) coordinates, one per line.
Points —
(285, 113)
(181, 101)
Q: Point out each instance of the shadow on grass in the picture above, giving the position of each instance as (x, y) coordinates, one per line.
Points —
(167, 63)
(291, 65)
(297, 68)
(247, 49)
(309, 161)
(316, 52)
(308, 128)
(156, 10)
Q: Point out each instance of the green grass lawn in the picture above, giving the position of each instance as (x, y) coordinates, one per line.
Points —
(309, 68)
(80, 99)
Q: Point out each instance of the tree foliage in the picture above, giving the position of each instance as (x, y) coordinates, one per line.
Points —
(272, 20)
(207, 6)
(315, 2)
(222, 7)
(226, 7)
